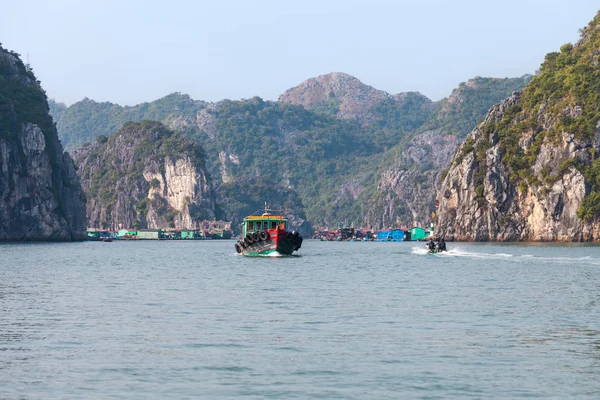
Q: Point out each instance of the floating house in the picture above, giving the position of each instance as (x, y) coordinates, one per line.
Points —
(417, 233)
(383, 236)
(395, 235)
(150, 234)
(188, 234)
(127, 233)
(99, 234)
(93, 235)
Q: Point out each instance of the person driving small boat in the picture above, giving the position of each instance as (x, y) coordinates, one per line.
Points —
(431, 246)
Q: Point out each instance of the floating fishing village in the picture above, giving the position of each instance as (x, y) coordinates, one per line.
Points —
(342, 234)
(208, 231)
(390, 235)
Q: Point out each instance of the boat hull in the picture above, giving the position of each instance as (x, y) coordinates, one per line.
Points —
(278, 243)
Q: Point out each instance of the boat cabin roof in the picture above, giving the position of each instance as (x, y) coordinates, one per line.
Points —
(263, 217)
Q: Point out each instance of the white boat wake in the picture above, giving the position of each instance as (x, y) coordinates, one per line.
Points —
(461, 253)
(517, 257)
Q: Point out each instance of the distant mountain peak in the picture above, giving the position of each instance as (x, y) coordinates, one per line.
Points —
(344, 88)
(339, 94)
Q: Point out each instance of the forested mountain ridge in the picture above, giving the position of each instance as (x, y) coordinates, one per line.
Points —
(327, 167)
(87, 119)
(530, 170)
(40, 193)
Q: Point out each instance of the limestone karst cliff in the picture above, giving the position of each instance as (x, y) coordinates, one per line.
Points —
(530, 170)
(410, 175)
(330, 149)
(145, 176)
(40, 194)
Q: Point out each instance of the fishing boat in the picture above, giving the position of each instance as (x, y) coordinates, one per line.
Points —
(267, 235)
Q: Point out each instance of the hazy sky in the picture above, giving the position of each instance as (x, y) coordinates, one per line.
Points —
(134, 51)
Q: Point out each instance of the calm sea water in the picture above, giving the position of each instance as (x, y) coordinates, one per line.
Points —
(140, 320)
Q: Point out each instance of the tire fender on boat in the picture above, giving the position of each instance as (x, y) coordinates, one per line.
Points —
(250, 238)
(263, 235)
(238, 247)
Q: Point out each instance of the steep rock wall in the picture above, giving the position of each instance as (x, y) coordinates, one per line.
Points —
(407, 191)
(146, 176)
(482, 200)
(40, 193)
(531, 169)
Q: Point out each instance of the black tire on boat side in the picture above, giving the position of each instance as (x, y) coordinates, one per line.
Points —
(255, 237)
(238, 247)
(250, 238)
(264, 235)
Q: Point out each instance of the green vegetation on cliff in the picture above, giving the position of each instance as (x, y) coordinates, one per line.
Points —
(460, 113)
(332, 165)
(85, 120)
(22, 99)
(113, 169)
(289, 146)
(563, 98)
(40, 195)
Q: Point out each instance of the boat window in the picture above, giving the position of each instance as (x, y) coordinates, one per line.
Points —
(273, 224)
(258, 225)
(250, 226)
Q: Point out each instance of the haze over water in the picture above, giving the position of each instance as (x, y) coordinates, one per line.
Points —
(141, 320)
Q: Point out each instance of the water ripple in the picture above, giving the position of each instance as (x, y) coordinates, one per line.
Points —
(343, 321)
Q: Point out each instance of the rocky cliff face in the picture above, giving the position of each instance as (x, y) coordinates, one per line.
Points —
(407, 190)
(145, 176)
(40, 194)
(481, 198)
(530, 170)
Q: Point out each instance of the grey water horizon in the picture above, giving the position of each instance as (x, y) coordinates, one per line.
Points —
(343, 320)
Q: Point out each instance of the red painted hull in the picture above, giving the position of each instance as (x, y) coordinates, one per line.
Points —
(282, 241)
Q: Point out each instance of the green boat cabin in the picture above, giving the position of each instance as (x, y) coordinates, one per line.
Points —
(265, 222)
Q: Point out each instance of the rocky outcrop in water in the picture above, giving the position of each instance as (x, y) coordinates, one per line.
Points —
(145, 176)
(530, 170)
(40, 194)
